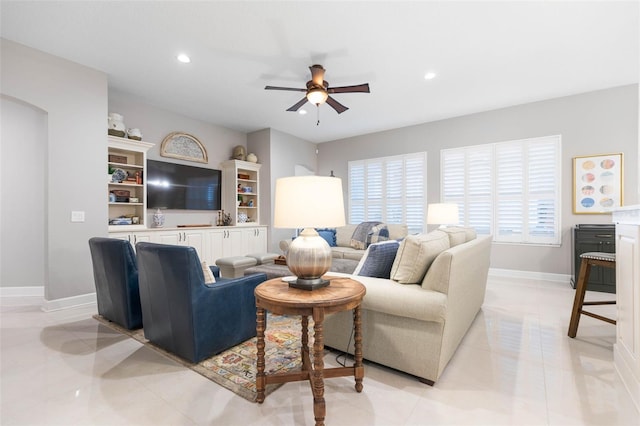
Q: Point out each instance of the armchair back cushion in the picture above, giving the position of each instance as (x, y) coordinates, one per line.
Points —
(185, 316)
(116, 278)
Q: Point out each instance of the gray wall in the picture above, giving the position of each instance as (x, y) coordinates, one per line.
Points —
(74, 148)
(285, 152)
(155, 124)
(592, 123)
(22, 193)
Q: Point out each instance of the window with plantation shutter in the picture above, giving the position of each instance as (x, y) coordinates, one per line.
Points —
(389, 190)
(508, 189)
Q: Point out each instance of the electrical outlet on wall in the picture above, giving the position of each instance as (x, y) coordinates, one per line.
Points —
(77, 216)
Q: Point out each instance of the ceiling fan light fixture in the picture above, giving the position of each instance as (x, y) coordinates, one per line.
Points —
(317, 96)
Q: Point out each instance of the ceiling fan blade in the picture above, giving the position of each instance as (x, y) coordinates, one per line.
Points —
(293, 89)
(336, 105)
(298, 105)
(317, 74)
(359, 88)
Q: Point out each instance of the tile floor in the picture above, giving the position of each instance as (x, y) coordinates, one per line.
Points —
(516, 366)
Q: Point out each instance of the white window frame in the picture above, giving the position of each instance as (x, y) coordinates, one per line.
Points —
(483, 197)
(408, 203)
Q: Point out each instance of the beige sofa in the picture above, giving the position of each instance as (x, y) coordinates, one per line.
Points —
(416, 328)
(343, 249)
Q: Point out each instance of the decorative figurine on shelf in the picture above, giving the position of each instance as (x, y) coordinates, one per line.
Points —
(252, 158)
(226, 219)
(115, 126)
(239, 153)
(250, 203)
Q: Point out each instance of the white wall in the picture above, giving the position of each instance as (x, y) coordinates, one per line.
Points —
(23, 143)
(74, 98)
(599, 122)
(156, 123)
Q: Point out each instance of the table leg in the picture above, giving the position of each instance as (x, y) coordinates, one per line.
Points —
(260, 376)
(304, 349)
(317, 375)
(358, 367)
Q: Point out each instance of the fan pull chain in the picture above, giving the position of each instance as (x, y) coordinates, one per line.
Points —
(318, 114)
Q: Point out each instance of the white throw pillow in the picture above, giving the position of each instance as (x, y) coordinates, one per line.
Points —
(208, 274)
(415, 254)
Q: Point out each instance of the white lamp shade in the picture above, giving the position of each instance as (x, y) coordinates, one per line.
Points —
(309, 202)
(442, 214)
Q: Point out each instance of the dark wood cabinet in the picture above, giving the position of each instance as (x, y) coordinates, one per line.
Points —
(594, 238)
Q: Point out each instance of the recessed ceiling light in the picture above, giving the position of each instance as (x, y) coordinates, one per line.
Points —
(184, 58)
(302, 111)
(430, 75)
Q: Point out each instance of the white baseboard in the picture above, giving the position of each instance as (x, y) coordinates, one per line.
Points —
(532, 275)
(15, 296)
(33, 291)
(69, 302)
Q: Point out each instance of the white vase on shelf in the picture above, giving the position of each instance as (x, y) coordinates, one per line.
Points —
(158, 219)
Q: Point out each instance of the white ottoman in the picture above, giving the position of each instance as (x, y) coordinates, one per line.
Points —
(263, 258)
(233, 267)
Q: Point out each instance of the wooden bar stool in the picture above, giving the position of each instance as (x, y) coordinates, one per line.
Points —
(607, 260)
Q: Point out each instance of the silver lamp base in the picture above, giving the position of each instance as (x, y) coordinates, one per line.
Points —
(313, 284)
(309, 258)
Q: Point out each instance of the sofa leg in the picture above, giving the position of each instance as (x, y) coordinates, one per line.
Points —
(426, 381)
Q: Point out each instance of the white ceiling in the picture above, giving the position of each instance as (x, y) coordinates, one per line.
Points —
(487, 55)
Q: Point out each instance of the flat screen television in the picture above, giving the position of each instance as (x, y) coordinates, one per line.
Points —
(180, 187)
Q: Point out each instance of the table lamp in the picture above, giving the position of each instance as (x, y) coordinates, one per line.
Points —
(442, 214)
(309, 202)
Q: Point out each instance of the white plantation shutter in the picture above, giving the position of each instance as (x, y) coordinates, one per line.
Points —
(389, 190)
(509, 189)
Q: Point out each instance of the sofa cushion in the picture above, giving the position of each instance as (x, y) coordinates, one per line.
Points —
(378, 260)
(397, 231)
(407, 301)
(346, 253)
(459, 234)
(415, 255)
(343, 235)
(329, 235)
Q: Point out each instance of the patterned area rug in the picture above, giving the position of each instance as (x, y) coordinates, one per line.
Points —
(235, 368)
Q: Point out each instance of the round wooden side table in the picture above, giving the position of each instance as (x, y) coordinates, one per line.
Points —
(277, 297)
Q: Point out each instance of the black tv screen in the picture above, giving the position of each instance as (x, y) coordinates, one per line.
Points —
(175, 186)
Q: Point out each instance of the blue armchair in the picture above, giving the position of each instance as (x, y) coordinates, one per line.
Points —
(185, 316)
(116, 278)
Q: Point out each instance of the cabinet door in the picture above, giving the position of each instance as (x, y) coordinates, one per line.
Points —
(168, 237)
(132, 237)
(216, 244)
(256, 240)
(234, 243)
(194, 239)
(627, 349)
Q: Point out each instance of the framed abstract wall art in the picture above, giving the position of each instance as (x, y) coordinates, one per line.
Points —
(597, 183)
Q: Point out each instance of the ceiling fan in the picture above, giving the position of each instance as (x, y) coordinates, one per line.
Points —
(318, 91)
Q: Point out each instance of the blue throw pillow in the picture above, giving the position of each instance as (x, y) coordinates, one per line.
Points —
(329, 234)
(378, 260)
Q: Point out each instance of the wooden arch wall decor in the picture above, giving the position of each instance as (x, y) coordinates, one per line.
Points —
(184, 147)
